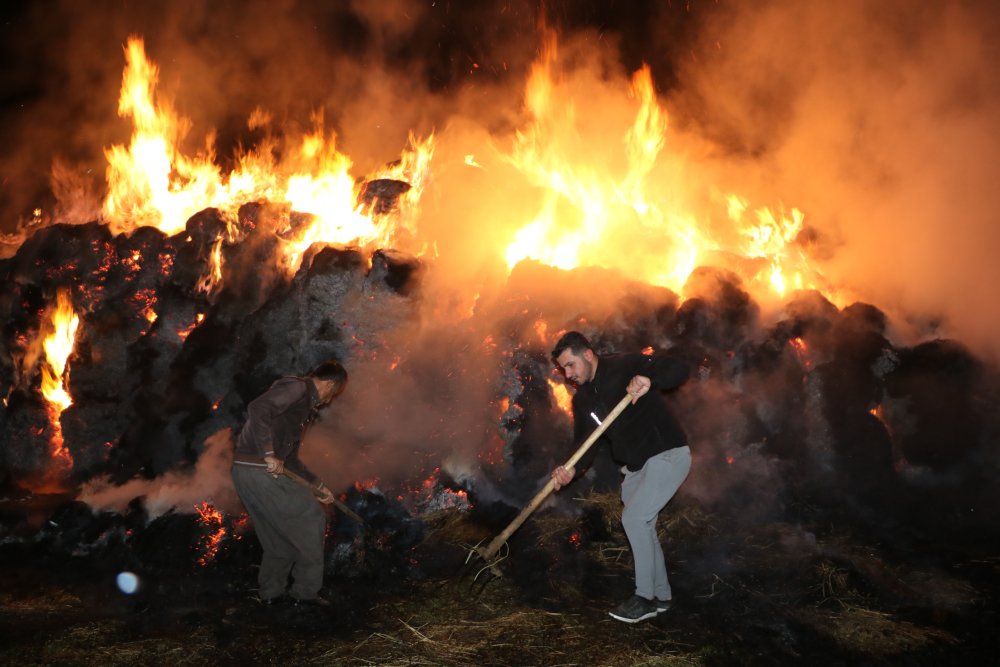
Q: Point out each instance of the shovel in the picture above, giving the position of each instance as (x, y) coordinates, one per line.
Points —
(489, 551)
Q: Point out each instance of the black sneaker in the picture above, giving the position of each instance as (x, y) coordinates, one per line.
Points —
(661, 605)
(635, 609)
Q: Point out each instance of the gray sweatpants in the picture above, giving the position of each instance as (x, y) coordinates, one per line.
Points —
(290, 525)
(645, 492)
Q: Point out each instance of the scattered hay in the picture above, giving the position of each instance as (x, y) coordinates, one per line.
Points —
(871, 632)
(52, 601)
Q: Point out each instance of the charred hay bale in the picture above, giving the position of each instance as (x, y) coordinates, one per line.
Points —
(75, 530)
(201, 388)
(864, 316)
(936, 416)
(644, 316)
(852, 388)
(299, 327)
(205, 228)
(180, 543)
(399, 272)
(59, 254)
(381, 548)
(250, 267)
(194, 248)
(381, 195)
(543, 431)
(719, 313)
(90, 430)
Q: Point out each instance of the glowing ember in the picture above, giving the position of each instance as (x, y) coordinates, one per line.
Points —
(575, 540)
(186, 331)
(145, 301)
(212, 520)
(366, 484)
(431, 496)
(802, 352)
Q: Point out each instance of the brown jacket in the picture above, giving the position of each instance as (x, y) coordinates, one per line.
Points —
(276, 421)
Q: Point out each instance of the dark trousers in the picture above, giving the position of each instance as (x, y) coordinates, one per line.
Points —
(290, 525)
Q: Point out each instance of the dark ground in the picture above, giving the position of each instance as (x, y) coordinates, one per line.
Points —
(825, 590)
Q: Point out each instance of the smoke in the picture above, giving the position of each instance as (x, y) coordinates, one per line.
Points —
(180, 490)
(880, 122)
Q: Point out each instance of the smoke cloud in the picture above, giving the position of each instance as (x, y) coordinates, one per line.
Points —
(881, 124)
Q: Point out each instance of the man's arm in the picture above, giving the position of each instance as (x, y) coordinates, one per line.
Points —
(664, 372)
(583, 425)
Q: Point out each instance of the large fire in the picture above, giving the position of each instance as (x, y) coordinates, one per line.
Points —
(603, 188)
(152, 182)
(602, 202)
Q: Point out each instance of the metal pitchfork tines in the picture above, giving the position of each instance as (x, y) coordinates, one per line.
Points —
(489, 552)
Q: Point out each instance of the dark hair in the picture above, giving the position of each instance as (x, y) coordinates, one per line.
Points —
(574, 341)
(330, 370)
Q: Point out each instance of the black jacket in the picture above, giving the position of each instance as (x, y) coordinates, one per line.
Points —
(276, 421)
(641, 430)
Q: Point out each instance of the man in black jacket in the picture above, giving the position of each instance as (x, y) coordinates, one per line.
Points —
(287, 520)
(645, 439)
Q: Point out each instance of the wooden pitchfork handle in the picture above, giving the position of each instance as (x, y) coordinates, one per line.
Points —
(493, 547)
(298, 479)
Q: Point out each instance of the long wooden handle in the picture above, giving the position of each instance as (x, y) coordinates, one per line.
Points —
(304, 482)
(491, 549)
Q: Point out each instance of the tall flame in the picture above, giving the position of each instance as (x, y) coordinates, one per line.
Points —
(617, 204)
(58, 345)
(151, 182)
(592, 204)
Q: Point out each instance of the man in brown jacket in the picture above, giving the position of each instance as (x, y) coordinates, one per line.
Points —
(286, 518)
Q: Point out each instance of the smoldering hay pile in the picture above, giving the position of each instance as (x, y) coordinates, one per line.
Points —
(792, 398)
(819, 404)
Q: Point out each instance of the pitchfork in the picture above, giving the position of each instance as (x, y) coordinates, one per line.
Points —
(298, 479)
(488, 552)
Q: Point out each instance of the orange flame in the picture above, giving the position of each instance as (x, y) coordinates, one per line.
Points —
(208, 282)
(609, 187)
(563, 398)
(612, 195)
(58, 345)
(802, 352)
(186, 331)
(151, 182)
